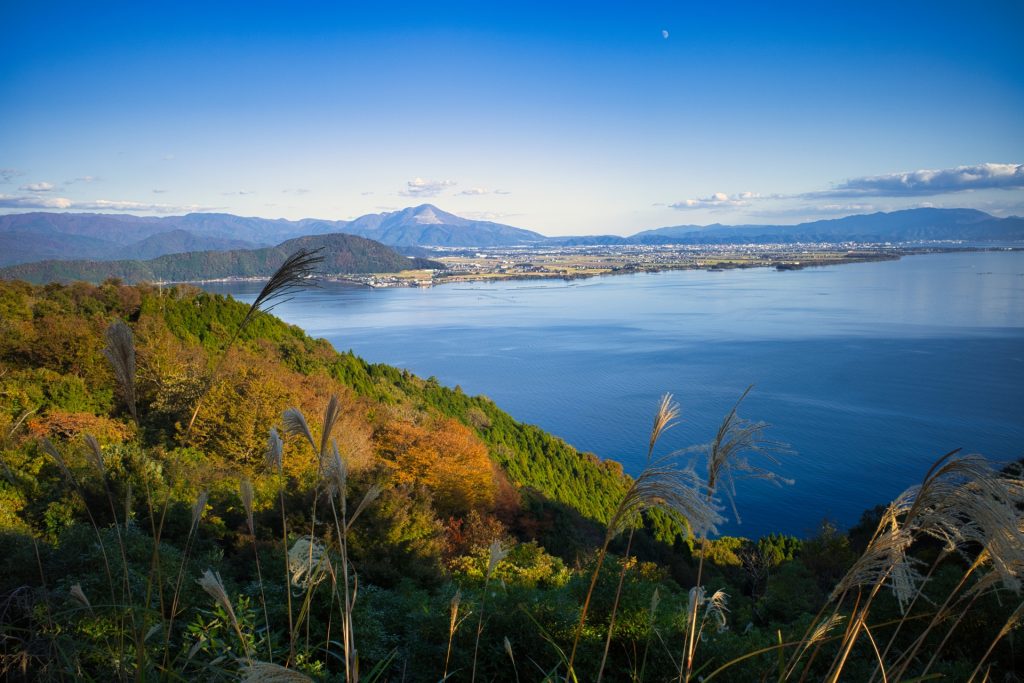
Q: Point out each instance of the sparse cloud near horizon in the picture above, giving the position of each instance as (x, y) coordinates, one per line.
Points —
(36, 202)
(488, 215)
(929, 182)
(420, 187)
(37, 187)
(479, 191)
(717, 201)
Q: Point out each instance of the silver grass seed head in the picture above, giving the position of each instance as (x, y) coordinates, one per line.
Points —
(199, 507)
(78, 595)
(295, 273)
(246, 493)
(266, 672)
(495, 555)
(453, 610)
(306, 560)
(825, 627)
(664, 419)
(335, 471)
(664, 485)
(275, 451)
(655, 601)
(508, 649)
(295, 424)
(330, 417)
(717, 608)
(120, 351)
(211, 582)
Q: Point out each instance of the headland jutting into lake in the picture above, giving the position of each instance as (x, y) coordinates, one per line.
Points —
(576, 262)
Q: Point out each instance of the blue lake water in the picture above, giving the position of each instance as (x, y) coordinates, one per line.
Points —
(869, 371)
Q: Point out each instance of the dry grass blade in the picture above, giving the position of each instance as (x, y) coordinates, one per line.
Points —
(371, 495)
(120, 351)
(52, 451)
(95, 454)
(200, 507)
(265, 672)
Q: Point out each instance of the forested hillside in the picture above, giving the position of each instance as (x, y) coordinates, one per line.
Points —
(195, 490)
(342, 254)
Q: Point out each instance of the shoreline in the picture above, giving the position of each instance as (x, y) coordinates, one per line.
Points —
(787, 261)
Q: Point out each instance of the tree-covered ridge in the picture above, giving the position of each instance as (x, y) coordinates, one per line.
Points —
(323, 518)
(281, 356)
(342, 254)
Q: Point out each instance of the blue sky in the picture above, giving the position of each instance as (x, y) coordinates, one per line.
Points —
(565, 118)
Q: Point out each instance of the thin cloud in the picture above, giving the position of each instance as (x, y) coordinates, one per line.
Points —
(159, 191)
(477, 191)
(237, 193)
(82, 179)
(487, 215)
(12, 202)
(419, 187)
(296, 190)
(32, 202)
(37, 187)
(8, 175)
(925, 183)
(716, 201)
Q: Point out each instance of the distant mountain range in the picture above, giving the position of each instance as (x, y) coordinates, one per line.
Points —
(342, 254)
(37, 236)
(910, 225)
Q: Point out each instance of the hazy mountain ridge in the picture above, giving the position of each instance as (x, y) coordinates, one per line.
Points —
(342, 254)
(895, 226)
(427, 225)
(30, 237)
(108, 237)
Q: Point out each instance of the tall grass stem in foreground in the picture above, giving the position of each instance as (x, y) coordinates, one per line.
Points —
(494, 557)
(293, 274)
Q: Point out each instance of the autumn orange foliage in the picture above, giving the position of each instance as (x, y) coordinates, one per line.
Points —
(445, 456)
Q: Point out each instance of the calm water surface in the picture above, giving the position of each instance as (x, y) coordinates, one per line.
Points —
(869, 371)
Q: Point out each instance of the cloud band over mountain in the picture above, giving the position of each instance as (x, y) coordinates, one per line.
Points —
(929, 182)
